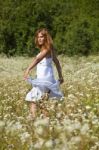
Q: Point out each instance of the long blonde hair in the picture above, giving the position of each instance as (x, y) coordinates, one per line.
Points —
(48, 39)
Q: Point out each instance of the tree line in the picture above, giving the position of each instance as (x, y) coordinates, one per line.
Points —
(73, 24)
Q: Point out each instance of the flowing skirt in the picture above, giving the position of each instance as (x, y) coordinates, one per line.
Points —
(40, 87)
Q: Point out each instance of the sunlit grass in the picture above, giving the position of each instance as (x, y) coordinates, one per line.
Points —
(73, 124)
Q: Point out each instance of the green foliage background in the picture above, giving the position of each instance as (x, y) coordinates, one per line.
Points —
(73, 24)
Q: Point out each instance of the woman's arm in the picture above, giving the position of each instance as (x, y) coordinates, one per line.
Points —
(35, 61)
(58, 66)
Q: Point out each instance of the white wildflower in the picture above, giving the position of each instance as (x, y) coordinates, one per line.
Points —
(17, 126)
(43, 122)
(95, 121)
(77, 125)
(84, 129)
(39, 130)
(49, 143)
(59, 115)
(39, 143)
(75, 140)
(24, 136)
(88, 107)
(71, 96)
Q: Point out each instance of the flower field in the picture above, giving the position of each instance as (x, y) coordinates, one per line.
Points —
(72, 123)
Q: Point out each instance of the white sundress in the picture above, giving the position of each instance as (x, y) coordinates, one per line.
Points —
(44, 82)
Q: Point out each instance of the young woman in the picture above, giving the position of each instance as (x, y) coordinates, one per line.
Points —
(45, 81)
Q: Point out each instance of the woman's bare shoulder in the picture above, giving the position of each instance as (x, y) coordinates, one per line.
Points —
(50, 53)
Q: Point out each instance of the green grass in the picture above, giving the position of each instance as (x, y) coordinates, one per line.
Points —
(73, 124)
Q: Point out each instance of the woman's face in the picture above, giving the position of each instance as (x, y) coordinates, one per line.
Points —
(41, 39)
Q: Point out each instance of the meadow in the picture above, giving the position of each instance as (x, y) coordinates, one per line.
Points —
(72, 123)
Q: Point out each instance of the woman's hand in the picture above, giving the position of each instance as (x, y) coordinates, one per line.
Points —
(26, 74)
(61, 80)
